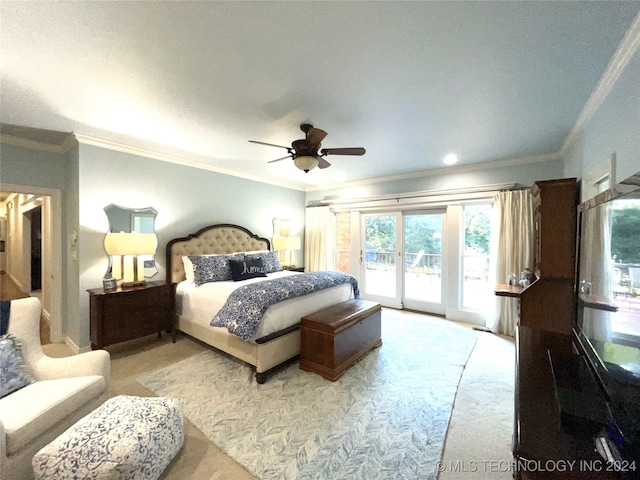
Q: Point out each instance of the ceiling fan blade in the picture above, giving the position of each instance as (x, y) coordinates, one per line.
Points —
(322, 163)
(315, 137)
(269, 144)
(343, 151)
(278, 159)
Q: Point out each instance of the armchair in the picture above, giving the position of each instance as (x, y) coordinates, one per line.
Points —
(64, 391)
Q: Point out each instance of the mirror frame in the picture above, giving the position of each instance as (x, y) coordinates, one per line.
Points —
(135, 215)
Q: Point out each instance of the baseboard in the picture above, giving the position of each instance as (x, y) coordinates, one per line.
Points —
(74, 348)
(46, 316)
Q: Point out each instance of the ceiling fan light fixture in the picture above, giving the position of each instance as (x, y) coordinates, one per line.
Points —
(305, 162)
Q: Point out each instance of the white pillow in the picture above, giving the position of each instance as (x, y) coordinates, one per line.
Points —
(188, 268)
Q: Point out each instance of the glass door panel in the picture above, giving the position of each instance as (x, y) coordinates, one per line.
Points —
(423, 272)
(380, 258)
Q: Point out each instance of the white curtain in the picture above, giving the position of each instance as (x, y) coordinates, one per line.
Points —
(596, 268)
(512, 250)
(318, 249)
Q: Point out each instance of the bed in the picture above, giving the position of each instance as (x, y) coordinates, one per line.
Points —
(277, 340)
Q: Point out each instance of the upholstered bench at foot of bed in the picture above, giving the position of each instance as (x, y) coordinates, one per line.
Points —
(125, 438)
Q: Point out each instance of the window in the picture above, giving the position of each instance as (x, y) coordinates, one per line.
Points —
(475, 256)
(625, 258)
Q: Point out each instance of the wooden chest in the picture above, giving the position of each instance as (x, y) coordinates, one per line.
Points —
(333, 339)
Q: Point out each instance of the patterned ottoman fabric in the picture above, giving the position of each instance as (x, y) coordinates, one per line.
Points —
(125, 438)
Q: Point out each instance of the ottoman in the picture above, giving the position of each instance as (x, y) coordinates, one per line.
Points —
(125, 438)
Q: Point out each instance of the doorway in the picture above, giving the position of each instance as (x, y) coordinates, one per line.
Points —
(433, 260)
(424, 265)
(382, 265)
(43, 207)
(35, 217)
(403, 261)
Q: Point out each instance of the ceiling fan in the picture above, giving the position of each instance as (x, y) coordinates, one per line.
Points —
(304, 152)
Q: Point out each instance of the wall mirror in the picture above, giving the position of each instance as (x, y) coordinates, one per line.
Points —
(281, 227)
(133, 220)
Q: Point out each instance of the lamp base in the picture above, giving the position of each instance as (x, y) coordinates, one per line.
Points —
(132, 284)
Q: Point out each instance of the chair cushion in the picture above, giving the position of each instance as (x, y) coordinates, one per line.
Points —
(13, 371)
(30, 411)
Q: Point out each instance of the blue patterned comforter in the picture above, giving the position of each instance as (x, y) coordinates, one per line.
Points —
(246, 305)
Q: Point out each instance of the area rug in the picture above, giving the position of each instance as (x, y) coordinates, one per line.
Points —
(387, 417)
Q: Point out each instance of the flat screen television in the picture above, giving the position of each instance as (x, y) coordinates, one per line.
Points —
(608, 329)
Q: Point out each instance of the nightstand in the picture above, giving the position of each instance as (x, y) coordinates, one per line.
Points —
(129, 313)
(294, 269)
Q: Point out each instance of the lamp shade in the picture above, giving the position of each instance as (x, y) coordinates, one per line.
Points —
(130, 243)
(286, 243)
(305, 162)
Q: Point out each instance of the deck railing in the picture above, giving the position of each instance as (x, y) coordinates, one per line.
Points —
(415, 262)
(476, 266)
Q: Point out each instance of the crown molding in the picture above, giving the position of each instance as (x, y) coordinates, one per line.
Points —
(70, 143)
(472, 167)
(78, 138)
(625, 52)
(143, 152)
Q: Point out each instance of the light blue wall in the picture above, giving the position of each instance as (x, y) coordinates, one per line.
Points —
(37, 168)
(453, 178)
(186, 199)
(615, 127)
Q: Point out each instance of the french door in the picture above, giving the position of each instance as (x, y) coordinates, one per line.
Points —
(424, 275)
(381, 258)
(402, 261)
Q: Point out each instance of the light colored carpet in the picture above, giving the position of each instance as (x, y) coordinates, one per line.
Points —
(480, 427)
(478, 444)
(387, 417)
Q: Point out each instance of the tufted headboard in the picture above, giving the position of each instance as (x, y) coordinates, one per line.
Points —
(222, 238)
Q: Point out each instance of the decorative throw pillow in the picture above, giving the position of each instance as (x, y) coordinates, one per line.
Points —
(188, 265)
(245, 269)
(269, 259)
(213, 268)
(13, 371)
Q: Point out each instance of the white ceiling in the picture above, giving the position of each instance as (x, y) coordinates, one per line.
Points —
(409, 81)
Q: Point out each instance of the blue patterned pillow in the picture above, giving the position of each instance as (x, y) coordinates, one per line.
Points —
(245, 269)
(13, 371)
(212, 268)
(269, 259)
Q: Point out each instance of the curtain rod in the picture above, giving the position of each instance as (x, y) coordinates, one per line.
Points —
(427, 193)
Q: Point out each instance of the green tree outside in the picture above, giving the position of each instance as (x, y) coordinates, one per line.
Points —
(625, 239)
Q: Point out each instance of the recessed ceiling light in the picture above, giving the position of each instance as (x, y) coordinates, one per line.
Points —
(450, 159)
